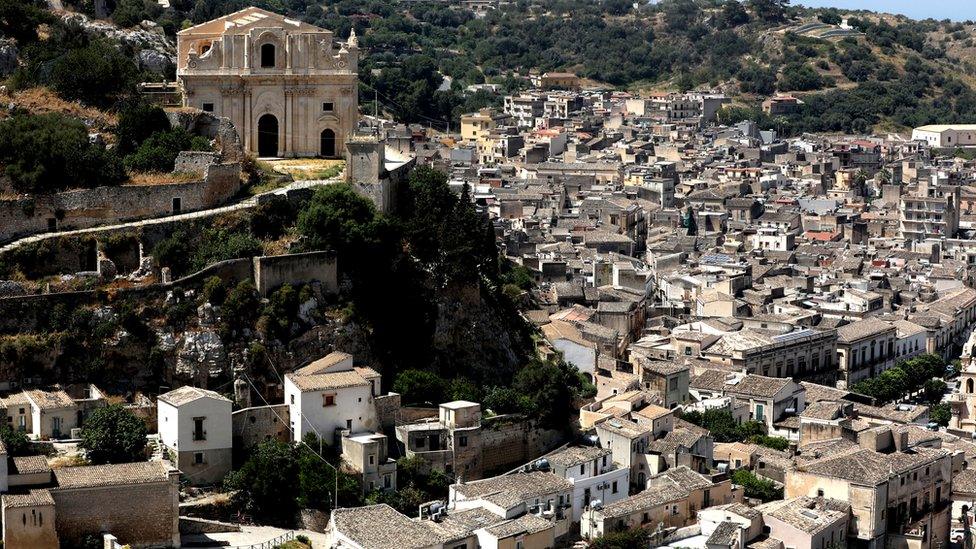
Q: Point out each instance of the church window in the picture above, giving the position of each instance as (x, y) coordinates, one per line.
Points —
(267, 55)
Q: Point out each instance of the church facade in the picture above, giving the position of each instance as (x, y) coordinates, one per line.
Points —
(288, 87)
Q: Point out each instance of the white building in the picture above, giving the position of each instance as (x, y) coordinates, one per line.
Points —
(195, 424)
(594, 476)
(331, 396)
(946, 135)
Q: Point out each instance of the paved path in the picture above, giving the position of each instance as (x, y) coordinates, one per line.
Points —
(250, 536)
(242, 205)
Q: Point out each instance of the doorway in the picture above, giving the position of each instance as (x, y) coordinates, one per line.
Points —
(268, 136)
(327, 145)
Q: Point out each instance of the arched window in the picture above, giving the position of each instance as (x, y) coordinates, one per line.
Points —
(267, 56)
(969, 385)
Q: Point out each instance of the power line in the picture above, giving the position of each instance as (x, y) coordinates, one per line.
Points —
(376, 92)
(292, 435)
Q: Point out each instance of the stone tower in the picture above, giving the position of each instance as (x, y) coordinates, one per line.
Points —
(964, 402)
(366, 169)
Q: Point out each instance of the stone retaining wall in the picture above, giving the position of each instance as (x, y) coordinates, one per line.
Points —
(84, 208)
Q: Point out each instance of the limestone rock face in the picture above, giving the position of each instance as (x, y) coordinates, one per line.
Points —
(155, 61)
(157, 52)
(10, 288)
(8, 56)
(202, 354)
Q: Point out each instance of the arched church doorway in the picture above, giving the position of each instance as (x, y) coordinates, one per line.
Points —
(268, 135)
(327, 144)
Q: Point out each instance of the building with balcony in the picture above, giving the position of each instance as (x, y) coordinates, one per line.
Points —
(195, 428)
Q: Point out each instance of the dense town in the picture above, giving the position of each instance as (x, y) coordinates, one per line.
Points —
(736, 338)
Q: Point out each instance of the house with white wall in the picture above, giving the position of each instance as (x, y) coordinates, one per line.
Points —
(195, 426)
(596, 478)
(331, 396)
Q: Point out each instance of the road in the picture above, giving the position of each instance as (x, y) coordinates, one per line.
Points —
(242, 205)
(250, 536)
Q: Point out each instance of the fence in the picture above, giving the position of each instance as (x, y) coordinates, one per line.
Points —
(270, 544)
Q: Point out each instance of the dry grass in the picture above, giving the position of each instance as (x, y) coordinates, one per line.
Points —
(43, 100)
(307, 168)
(157, 178)
(61, 462)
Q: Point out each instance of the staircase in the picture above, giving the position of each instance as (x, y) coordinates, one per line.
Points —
(155, 448)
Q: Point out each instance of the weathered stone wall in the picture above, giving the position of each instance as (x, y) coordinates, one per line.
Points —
(507, 443)
(85, 208)
(253, 426)
(195, 162)
(192, 525)
(22, 313)
(387, 408)
(271, 272)
(142, 514)
(412, 414)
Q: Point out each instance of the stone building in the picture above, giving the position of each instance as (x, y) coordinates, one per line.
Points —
(287, 86)
(136, 502)
(452, 443)
(29, 520)
(194, 425)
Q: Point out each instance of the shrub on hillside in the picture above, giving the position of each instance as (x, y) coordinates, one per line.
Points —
(47, 153)
(158, 152)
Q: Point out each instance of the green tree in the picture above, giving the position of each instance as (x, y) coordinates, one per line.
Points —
(47, 153)
(420, 387)
(19, 20)
(267, 483)
(317, 479)
(776, 443)
(113, 434)
(733, 14)
(626, 539)
(129, 13)
(551, 387)
(137, 121)
(96, 74)
(755, 487)
(240, 309)
(772, 11)
(941, 413)
(157, 153)
(15, 441)
(338, 218)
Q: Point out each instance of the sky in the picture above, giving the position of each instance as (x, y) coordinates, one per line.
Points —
(957, 10)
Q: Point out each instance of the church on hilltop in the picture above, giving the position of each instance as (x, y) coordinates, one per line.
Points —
(288, 87)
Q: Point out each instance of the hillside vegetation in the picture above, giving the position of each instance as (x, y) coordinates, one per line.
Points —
(891, 73)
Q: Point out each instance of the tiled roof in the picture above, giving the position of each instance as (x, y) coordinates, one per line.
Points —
(186, 394)
(725, 534)
(332, 380)
(383, 527)
(810, 515)
(964, 482)
(648, 499)
(91, 476)
(50, 400)
(34, 498)
(323, 364)
(823, 410)
(29, 465)
(576, 455)
(522, 486)
(861, 329)
(526, 524)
